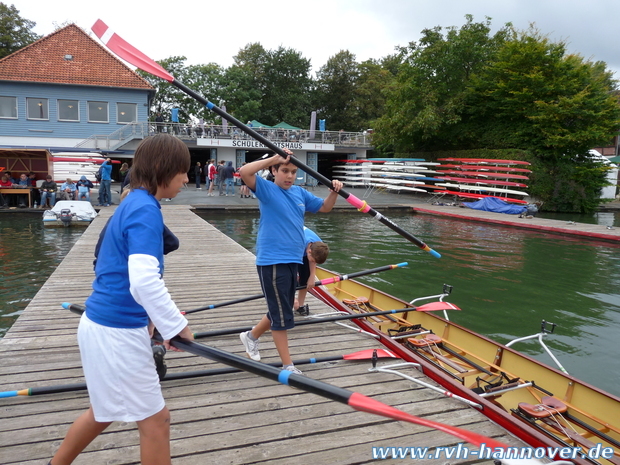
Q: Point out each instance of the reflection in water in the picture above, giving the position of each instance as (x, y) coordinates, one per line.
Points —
(505, 280)
(29, 253)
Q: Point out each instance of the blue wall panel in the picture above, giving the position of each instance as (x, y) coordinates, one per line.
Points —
(22, 127)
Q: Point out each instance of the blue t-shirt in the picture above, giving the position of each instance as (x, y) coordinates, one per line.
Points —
(280, 230)
(136, 227)
(106, 172)
(310, 236)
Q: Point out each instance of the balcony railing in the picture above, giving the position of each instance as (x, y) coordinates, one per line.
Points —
(191, 132)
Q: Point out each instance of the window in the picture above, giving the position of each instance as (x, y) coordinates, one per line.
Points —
(68, 110)
(126, 112)
(37, 108)
(98, 112)
(8, 107)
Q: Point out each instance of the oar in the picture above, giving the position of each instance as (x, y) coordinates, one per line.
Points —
(322, 282)
(221, 332)
(132, 55)
(367, 354)
(353, 399)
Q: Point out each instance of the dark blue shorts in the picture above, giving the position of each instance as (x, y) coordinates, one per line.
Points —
(278, 283)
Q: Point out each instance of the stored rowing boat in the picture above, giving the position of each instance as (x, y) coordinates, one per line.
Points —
(541, 405)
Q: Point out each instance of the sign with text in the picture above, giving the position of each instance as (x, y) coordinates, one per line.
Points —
(253, 144)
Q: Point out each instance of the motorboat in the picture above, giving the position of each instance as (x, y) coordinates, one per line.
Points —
(69, 213)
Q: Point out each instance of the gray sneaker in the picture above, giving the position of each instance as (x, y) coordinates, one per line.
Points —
(251, 347)
(293, 369)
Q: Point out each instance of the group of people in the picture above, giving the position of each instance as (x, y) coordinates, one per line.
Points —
(220, 176)
(115, 331)
(25, 181)
(49, 192)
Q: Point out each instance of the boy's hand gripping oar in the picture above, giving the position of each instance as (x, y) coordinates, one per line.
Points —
(322, 282)
(134, 56)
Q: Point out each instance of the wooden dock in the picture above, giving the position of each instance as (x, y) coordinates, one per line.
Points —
(236, 418)
(543, 225)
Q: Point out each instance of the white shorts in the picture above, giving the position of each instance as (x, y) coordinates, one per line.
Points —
(120, 372)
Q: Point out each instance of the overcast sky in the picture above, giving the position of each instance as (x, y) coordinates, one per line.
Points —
(214, 31)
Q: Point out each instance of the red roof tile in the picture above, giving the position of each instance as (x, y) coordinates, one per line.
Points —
(91, 64)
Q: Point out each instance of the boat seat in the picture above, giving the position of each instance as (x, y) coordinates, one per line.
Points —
(428, 340)
(548, 406)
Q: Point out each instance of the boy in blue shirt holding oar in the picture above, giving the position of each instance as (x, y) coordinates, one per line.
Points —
(280, 246)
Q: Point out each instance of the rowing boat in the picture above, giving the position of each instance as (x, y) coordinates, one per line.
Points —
(542, 405)
(484, 161)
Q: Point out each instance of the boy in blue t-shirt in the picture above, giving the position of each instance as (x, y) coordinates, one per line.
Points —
(280, 246)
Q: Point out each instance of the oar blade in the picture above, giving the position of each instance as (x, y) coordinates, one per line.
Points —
(436, 306)
(368, 354)
(128, 52)
(363, 403)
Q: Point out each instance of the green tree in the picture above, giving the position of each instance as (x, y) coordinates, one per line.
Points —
(336, 84)
(287, 88)
(428, 97)
(244, 82)
(556, 106)
(208, 81)
(375, 78)
(15, 31)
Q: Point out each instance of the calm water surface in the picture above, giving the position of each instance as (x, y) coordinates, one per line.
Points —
(29, 253)
(506, 281)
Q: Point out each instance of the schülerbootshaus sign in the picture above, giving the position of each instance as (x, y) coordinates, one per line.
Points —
(252, 144)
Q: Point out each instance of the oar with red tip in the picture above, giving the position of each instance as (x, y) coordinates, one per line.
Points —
(361, 355)
(353, 399)
(322, 282)
(134, 56)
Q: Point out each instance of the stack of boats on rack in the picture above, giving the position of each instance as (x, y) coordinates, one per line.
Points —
(69, 213)
(406, 174)
(75, 165)
(544, 406)
(474, 178)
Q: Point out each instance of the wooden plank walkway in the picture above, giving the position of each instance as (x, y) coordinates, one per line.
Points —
(227, 419)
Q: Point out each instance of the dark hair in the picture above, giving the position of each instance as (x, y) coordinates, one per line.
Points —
(158, 159)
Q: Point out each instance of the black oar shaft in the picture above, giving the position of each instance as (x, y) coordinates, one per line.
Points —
(223, 332)
(317, 283)
(361, 205)
(42, 390)
(302, 382)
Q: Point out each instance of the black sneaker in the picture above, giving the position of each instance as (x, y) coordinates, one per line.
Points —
(160, 363)
(304, 310)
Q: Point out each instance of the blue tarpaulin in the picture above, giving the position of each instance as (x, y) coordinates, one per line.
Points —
(491, 204)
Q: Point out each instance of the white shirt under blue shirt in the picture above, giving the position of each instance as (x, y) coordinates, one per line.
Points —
(128, 288)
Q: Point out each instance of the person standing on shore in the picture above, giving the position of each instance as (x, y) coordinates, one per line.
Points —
(198, 173)
(105, 185)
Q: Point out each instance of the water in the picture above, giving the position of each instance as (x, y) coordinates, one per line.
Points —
(506, 281)
(29, 253)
